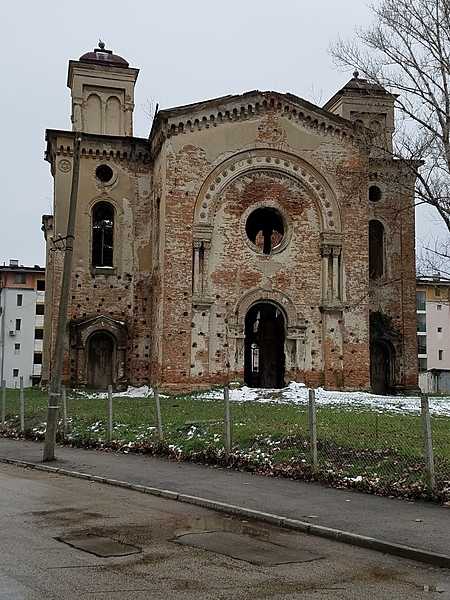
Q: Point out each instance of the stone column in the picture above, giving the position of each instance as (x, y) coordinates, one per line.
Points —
(128, 118)
(325, 261)
(77, 124)
(204, 267)
(336, 251)
(196, 282)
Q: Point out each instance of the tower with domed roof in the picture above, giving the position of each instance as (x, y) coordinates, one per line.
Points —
(102, 89)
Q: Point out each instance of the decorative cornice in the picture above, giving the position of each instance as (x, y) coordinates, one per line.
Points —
(330, 243)
(212, 113)
(95, 146)
(332, 307)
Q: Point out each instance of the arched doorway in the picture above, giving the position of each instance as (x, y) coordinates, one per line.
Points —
(380, 368)
(101, 347)
(264, 346)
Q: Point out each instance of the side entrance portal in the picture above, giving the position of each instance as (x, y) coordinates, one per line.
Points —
(380, 368)
(264, 346)
(100, 360)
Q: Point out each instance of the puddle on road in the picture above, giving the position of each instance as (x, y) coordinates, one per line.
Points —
(243, 547)
(250, 541)
(98, 545)
(169, 527)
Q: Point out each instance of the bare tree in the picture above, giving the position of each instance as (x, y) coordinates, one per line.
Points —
(434, 258)
(407, 51)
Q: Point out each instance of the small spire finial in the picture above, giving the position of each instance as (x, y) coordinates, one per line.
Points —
(101, 45)
(355, 74)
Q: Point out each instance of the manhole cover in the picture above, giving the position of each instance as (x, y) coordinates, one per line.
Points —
(98, 545)
(243, 547)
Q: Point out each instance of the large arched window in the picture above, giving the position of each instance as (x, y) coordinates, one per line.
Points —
(376, 249)
(102, 234)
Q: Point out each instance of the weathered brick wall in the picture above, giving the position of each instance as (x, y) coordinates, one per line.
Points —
(196, 331)
(205, 177)
(124, 292)
(395, 293)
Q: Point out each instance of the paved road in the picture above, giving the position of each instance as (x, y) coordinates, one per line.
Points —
(37, 507)
(418, 524)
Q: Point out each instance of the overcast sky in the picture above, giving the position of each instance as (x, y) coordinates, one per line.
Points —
(186, 51)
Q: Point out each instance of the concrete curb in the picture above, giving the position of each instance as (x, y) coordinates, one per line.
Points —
(346, 537)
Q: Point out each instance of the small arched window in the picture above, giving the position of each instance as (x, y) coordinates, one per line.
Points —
(376, 249)
(102, 234)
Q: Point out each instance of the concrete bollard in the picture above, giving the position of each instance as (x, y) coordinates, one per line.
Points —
(227, 420)
(110, 413)
(158, 414)
(312, 418)
(428, 442)
(64, 406)
(22, 406)
(3, 402)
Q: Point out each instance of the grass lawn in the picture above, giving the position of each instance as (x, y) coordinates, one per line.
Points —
(376, 451)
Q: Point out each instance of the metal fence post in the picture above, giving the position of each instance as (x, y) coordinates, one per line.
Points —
(227, 420)
(64, 407)
(428, 442)
(110, 413)
(22, 406)
(3, 402)
(158, 414)
(312, 418)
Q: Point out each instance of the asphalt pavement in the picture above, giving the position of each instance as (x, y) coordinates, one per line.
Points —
(42, 515)
(419, 525)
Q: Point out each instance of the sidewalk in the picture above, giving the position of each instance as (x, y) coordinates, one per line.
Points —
(418, 525)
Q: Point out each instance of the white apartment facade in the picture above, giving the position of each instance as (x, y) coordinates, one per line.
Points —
(433, 333)
(22, 295)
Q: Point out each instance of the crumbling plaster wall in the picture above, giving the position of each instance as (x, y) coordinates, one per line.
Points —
(124, 291)
(394, 294)
(196, 329)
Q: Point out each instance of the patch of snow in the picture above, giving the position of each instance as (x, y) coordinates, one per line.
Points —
(131, 392)
(297, 393)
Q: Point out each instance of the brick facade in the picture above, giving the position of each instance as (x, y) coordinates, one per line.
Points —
(185, 272)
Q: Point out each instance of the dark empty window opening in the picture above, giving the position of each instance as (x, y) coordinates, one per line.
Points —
(19, 299)
(38, 334)
(104, 173)
(375, 193)
(40, 285)
(376, 249)
(102, 235)
(265, 229)
(40, 309)
(15, 372)
(18, 324)
(37, 358)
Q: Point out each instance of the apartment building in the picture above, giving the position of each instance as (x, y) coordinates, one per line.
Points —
(433, 333)
(22, 295)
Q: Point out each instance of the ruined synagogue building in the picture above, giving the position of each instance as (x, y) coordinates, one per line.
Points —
(253, 237)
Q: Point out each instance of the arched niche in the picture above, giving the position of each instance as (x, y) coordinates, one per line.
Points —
(295, 328)
(94, 114)
(273, 296)
(267, 160)
(98, 328)
(113, 116)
